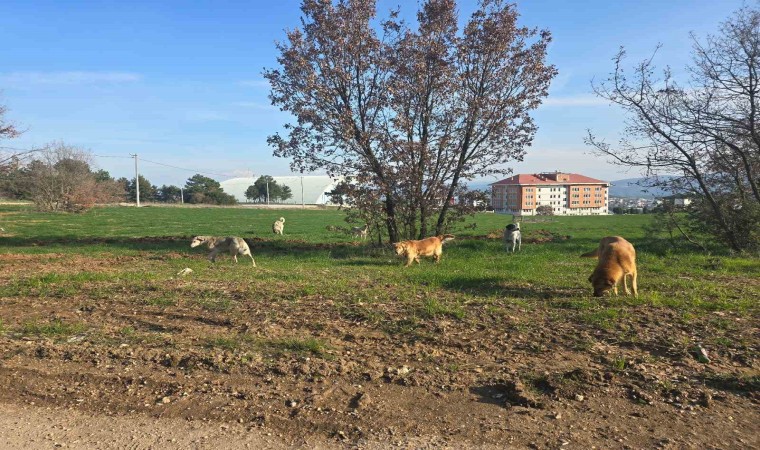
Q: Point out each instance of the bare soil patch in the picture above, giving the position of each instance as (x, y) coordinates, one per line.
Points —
(303, 368)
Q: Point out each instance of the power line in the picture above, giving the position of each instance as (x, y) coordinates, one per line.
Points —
(25, 150)
(26, 153)
(112, 156)
(183, 168)
(166, 165)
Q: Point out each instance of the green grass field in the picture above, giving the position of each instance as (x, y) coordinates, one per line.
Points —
(542, 272)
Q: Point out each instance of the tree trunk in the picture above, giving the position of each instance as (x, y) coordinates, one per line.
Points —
(445, 208)
(718, 213)
(390, 218)
(423, 222)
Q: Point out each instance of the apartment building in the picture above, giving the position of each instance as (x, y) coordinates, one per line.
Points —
(565, 193)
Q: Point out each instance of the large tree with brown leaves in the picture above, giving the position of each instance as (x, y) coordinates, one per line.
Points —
(410, 113)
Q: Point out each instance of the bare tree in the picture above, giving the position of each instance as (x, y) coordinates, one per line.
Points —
(12, 159)
(9, 157)
(409, 114)
(60, 179)
(7, 129)
(706, 131)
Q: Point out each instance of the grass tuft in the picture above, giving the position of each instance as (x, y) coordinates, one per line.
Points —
(55, 328)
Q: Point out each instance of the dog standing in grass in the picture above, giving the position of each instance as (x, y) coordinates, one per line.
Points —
(432, 246)
(360, 232)
(617, 259)
(512, 235)
(278, 227)
(233, 245)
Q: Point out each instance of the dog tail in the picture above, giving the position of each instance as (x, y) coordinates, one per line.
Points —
(592, 254)
(446, 238)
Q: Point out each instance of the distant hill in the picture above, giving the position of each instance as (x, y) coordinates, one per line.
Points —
(631, 187)
(481, 185)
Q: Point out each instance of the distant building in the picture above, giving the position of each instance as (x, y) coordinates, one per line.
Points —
(566, 193)
(677, 200)
(314, 188)
(625, 205)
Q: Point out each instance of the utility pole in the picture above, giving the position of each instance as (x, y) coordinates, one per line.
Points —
(182, 195)
(267, 191)
(303, 205)
(137, 182)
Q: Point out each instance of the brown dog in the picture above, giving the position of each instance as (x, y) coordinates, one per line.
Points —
(617, 258)
(432, 246)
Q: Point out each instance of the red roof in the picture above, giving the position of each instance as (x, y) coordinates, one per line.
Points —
(545, 178)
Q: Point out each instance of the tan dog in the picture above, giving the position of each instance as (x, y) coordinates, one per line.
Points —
(617, 258)
(278, 227)
(233, 245)
(432, 246)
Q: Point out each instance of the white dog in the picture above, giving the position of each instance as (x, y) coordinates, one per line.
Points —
(278, 227)
(233, 245)
(360, 232)
(513, 236)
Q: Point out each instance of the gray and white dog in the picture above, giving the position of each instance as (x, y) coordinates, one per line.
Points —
(513, 236)
(233, 245)
(360, 232)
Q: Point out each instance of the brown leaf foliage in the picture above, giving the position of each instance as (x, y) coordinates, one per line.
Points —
(408, 114)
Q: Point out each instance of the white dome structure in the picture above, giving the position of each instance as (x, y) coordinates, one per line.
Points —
(314, 188)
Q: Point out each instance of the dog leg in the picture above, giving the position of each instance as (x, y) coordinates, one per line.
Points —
(244, 252)
(614, 288)
(212, 255)
(519, 244)
(625, 284)
(634, 285)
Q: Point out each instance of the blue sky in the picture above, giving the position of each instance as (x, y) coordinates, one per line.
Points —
(180, 82)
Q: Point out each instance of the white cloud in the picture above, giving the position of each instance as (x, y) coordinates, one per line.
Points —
(67, 78)
(575, 100)
(561, 81)
(241, 173)
(568, 159)
(201, 115)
